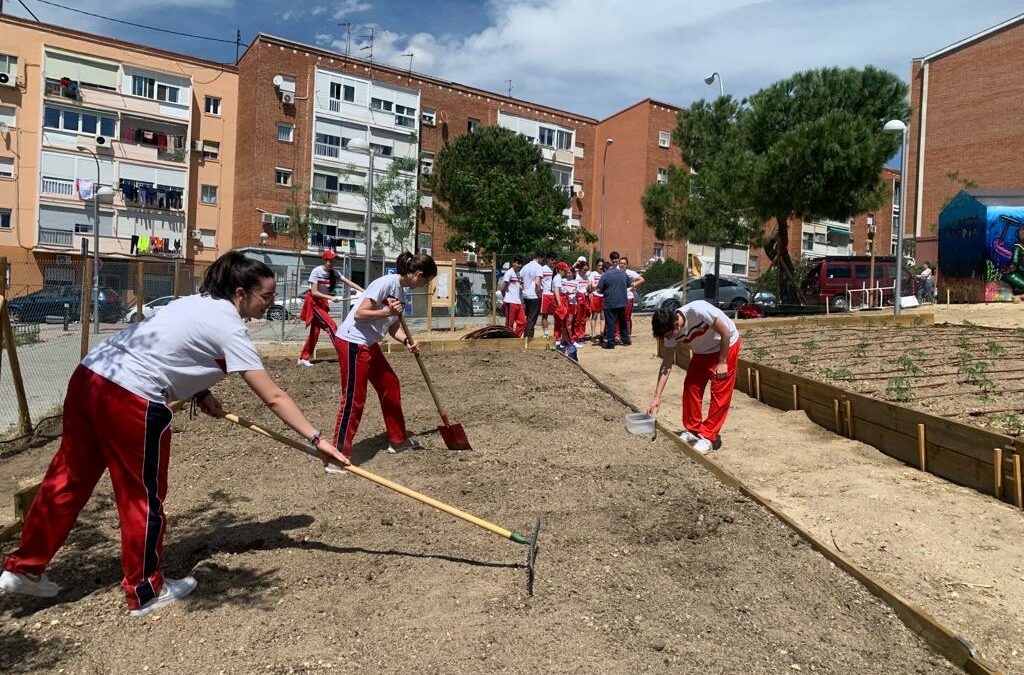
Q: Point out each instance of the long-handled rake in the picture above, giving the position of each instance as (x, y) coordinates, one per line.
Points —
(531, 559)
(454, 435)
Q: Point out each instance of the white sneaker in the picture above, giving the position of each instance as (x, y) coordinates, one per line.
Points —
(28, 584)
(305, 362)
(703, 445)
(410, 444)
(688, 437)
(174, 589)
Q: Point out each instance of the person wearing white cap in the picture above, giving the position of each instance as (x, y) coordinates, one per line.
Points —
(323, 281)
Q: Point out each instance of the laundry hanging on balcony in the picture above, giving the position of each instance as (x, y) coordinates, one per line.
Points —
(169, 142)
(139, 193)
(85, 187)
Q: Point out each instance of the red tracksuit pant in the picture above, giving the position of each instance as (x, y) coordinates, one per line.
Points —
(515, 318)
(321, 321)
(580, 318)
(700, 371)
(359, 365)
(564, 320)
(134, 445)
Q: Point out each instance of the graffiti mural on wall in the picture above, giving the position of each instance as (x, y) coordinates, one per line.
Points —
(981, 246)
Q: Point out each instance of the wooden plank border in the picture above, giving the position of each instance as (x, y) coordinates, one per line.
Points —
(842, 319)
(954, 648)
(958, 452)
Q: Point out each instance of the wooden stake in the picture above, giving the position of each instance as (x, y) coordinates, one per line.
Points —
(140, 296)
(849, 418)
(757, 384)
(796, 398)
(947, 298)
(494, 287)
(997, 462)
(451, 295)
(835, 412)
(86, 301)
(828, 301)
(25, 420)
(922, 454)
(1016, 479)
(176, 291)
(750, 383)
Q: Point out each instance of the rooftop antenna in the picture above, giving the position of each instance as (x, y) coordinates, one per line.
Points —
(238, 43)
(509, 83)
(348, 31)
(410, 61)
(368, 46)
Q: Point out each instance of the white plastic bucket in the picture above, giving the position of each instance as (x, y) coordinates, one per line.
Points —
(640, 424)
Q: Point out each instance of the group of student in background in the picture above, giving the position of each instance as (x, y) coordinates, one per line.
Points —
(567, 298)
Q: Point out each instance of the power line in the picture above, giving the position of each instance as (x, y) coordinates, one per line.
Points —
(136, 25)
(29, 10)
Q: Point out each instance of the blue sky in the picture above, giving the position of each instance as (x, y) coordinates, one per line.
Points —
(592, 57)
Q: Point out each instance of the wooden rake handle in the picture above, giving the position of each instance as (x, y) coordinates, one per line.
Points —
(419, 361)
(384, 482)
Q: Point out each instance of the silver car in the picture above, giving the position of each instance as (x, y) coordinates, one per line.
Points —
(732, 294)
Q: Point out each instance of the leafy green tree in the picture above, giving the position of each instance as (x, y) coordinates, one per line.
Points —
(396, 201)
(817, 148)
(498, 195)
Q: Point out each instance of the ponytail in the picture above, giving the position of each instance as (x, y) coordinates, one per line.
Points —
(233, 270)
(407, 263)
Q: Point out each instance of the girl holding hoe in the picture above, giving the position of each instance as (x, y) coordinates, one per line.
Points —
(362, 361)
(129, 380)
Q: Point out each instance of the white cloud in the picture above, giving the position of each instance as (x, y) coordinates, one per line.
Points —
(349, 7)
(598, 56)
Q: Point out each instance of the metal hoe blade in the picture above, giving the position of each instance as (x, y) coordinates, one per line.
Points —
(531, 559)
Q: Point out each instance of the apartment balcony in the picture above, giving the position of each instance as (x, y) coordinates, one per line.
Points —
(334, 105)
(51, 237)
(138, 152)
(343, 199)
(327, 150)
(110, 99)
(57, 187)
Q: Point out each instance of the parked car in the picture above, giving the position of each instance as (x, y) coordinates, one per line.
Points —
(830, 279)
(50, 301)
(293, 307)
(481, 305)
(732, 294)
(148, 309)
(652, 301)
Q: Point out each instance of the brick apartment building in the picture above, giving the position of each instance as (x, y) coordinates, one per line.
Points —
(965, 104)
(299, 108)
(639, 154)
(161, 126)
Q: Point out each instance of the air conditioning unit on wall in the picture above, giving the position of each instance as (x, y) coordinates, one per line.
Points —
(268, 219)
(7, 80)
(197, 146)
(195, 234)
(287, 98)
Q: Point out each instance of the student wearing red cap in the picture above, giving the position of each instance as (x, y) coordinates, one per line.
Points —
(323, 281)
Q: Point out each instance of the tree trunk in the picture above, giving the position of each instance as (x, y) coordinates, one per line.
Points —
(789, 290)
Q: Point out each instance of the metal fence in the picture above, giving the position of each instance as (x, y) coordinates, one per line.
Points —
(45, 301)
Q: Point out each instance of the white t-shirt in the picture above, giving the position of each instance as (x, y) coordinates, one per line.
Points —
(189, 345)
(698, 332)
(371, 332)
(631, 276)
(925, 273)
(566, 288)
(529, 274)
(322, 278)
(593, 277)
(581, 284)
(546, 275)
(512, 291)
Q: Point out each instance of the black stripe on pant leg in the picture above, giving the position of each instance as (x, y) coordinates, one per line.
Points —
(353, 355)
(158, 417)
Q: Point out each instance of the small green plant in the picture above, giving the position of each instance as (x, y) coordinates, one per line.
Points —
(858, 352)
(836, 373)
(918, 353)
(1010, 423)
(776, 332)
(796, 359)
(963, 343)
(974, 372)
(27, 335)
(996, 348)
(908, 365)
(899, 389)
(969, 324)
(759, 353)
(810, 346)
(918, 321)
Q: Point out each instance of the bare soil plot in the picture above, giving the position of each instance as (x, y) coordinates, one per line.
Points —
(647, 562)
(973, 374)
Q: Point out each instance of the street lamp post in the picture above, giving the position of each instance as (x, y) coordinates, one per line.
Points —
(718, 249)
(871, 250)
(899, 127)
(359, 145)
(604, 162)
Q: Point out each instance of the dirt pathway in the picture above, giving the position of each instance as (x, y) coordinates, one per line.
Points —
(955, 552)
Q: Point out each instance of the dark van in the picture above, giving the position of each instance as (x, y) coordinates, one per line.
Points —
(832, 278)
